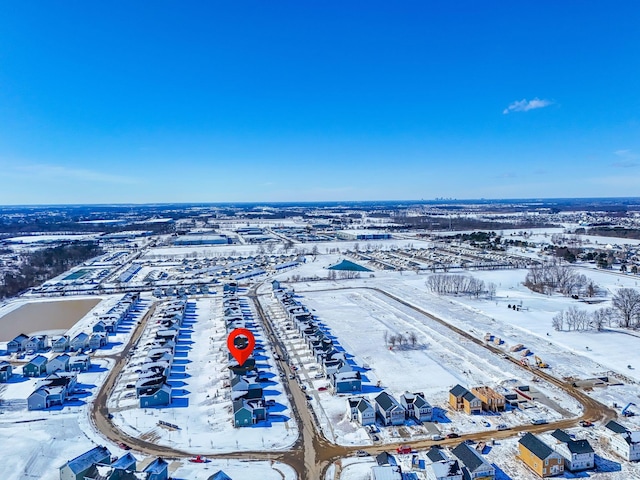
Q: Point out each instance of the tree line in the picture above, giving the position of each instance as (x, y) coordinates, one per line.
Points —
(624, 312)
(449, 284)
(555, 277)
(42, 265)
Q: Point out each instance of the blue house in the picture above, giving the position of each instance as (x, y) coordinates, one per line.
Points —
(6, 370)
(157, 470)
(77, 468)
(36, 367)
(158, 397)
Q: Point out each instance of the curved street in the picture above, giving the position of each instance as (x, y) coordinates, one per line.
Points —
(312, 453)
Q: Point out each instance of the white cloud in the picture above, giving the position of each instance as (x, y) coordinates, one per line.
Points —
(525, 105)
(628, 159)
(57, 171)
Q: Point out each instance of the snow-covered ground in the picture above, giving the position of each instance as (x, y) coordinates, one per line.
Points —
(201, 405)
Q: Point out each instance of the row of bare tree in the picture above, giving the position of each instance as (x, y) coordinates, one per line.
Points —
(399, 339)
(575, 318)
(625, 312)
(555, 277)
(451, 284)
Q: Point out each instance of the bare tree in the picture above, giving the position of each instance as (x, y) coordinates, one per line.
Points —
(413, 338)
(385, 336)
(600, 318)
(627, 302)
(557, 322)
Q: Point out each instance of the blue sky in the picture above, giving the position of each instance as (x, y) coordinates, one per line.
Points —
(309, 101)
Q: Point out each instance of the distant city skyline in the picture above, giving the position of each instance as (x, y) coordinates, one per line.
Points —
(302, 102)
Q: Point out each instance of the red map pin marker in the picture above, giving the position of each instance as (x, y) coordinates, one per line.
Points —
(241, 350)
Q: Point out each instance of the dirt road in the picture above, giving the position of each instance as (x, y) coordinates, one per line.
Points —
(312, 453)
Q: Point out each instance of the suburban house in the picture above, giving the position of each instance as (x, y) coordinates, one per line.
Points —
(157, 470)
(59, 362)
(18, 344)
(79, 342)
(388, 409)
(248, 412)
(36, 343)
(474, 465)
(6, 370)
(99, 326)
(492, 401)
(60, 344)
(97, 340)
(578, 454)
(36, 367)
(77, 468)
(462, 399)
(540, 457)
(45, 397)
(125, 462)
(346, 382)
(623, 441)
(156, 397)
(79, 363)
(361, 410)
(416, 406)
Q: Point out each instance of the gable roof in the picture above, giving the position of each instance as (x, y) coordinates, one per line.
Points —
(125, 461)
(219, 475)
(469, 397)
(616, 427)
(469, 457)
(386, 401)
(535, 446)
(20, 338)
(88, 458)
(579, 446)
(561, 436)
(157, 466)
(458, 391)
(435, 454)
(38, 360)
(446, 468)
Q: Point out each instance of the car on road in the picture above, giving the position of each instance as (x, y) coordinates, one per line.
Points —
(502, 426)
(538, 421)
(452, 435)
(124, 446)
(362, 453)
(586, 423)
(291, 376)
(404, 449)
(308, 397)
(437, 437)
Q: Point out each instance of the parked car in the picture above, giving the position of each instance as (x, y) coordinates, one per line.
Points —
(502, 426)
(362, 453)
(124, 446)
(452, 435)
(404, 449)
(322, 389)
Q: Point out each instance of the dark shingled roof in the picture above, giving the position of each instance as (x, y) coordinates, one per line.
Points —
(468, 457)
(615, 427)
(536, 446)
(458, 391)
(579, 446)
(561, 435)
(435, 454)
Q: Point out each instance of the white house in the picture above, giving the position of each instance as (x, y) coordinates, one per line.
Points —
(623, 441)
(578, 454)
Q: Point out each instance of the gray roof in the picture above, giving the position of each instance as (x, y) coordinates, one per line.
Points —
(561, 436)
(536, 446)
(87, 459)
(616, 427)
(458, 391)
(363, 405)
(386, 401)
(435, 454)
(579, 446)
(468, 457)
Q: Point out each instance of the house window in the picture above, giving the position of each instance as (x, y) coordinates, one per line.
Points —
(546, 462)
